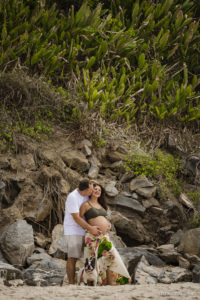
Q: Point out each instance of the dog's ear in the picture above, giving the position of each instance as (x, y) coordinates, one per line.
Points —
(86, 262)
(93, 262)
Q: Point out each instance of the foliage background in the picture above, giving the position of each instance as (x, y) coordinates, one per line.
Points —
(132, 62)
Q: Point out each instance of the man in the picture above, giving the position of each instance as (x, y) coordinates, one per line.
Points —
(74, 226)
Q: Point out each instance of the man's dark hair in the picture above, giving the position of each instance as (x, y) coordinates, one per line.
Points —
(84, 184)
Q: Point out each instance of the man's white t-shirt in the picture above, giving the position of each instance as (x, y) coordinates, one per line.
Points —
(72, 205)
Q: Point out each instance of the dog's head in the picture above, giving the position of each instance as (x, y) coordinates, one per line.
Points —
(89, 264)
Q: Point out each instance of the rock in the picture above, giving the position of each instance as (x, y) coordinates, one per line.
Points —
(45, 273)
(130, 253)
(2, 258)
(64, 187)
(118, 166)
(193, 259)
(93, 172)
(8, 272)
(126, 177)
(156, 210)
(84, 143)
(128, 203)
(146, 274)
(117, 241)
(37, 257)
(140, 182)
(135, 196)
(176, 237)
(176, 143)
(114, 156)
(168, 254)
(196, 273)
(51, 157)
(8, 216)
(17, 242)
(4, 163)
(94, 167)
(189, 242)
(150, 202)
(110, 189)
(41, 240)
(76, 160)
(192, 164)
(174, 210)
(86, 150)
(2, 185)
(174, 274)
(72, 177)
(35, 203)
(148, 192)
(58, 241)
(131, 231)
(14, 283)
(183, 263)
(186, 201)
(26, 161)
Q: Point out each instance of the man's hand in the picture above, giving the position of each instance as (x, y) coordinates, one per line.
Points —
(95, 230)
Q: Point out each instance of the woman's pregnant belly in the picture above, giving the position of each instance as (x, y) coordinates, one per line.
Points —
(101, 222)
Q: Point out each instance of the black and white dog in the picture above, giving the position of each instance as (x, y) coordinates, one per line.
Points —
(88, 274)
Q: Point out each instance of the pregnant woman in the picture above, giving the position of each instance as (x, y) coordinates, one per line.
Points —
(110, 266)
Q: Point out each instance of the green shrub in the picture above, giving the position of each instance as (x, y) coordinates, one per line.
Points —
(159, 166)
(195, 221)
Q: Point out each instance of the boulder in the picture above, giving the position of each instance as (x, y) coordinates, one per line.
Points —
(114, 156)
(147, 192)
(45, 273)
(76, 160)
(110, 189)
(189, 242)
(176, 237)
(130, 253)
(8, 272)
(37, 257)
(150, 202)
(174, 274)
(2, 258)
(183, 263)
(128, 203)
(94, 167)
(17, 242)
(168, 254)
(132, 231)
(41, 240)
(58, 244)
(196, 273)
(140, 182)
(193, 259)
(8, 216)
(50, 157)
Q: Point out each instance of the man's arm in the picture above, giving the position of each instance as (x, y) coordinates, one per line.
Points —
(80, 221)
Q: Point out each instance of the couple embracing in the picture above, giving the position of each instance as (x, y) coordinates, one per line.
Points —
(86, 228)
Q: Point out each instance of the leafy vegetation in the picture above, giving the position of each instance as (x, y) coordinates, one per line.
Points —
(127, 60)
(159, 166)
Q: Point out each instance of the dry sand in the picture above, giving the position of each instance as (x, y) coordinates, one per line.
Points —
(186, 290)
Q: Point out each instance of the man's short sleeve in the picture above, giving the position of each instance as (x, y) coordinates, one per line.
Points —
(72, 205)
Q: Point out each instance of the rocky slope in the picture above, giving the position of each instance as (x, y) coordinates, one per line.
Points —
(150, 233)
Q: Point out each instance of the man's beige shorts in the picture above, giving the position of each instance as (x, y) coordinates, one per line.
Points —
(75, 245)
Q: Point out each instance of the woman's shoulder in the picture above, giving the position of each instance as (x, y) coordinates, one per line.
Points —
(85, 204)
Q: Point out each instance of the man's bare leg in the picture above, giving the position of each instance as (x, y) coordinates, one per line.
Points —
(71, 267)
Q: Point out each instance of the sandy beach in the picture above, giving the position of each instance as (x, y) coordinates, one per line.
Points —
(186, 290)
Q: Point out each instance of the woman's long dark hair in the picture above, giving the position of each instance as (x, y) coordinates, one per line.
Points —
(102, 199)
